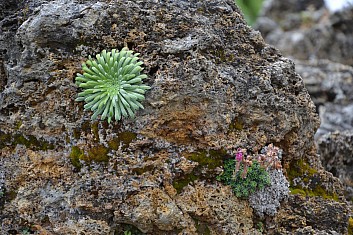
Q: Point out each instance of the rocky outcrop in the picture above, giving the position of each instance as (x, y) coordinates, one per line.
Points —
(307, 30)
(336, 151)
(321, 44)
(215, 86)
(330, 86)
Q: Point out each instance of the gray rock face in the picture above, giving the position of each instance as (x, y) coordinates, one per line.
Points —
(336, 151)
(308, 31)
(216, 86)
(321, 44)
(267, 200)
(331, 88)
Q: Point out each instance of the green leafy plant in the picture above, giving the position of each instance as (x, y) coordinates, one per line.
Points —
(112, 84)
(248, 173)
(256, 178)
(250, 8)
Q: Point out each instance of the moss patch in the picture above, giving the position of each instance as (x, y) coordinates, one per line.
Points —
(75, 156)
(6, 196)
(236, 125)
(221, 56)
(124, 138)
(208, 160)
(141, 170)
(98, 153)
(308, 175)
(300, 168)
(183, 181)
(350, 226)
(30, 141)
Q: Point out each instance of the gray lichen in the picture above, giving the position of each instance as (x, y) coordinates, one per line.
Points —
(267, 200)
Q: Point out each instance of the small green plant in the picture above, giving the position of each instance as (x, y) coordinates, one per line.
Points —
(256, 178)
(260, 227)
(112, 84)
(250, 8)
(25, 231)
(127, 232)
(246, 174)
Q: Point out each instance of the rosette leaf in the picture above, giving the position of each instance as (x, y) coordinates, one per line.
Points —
(112, 84)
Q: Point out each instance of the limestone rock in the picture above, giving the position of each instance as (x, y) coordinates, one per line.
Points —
(216, 86)
(336, 151)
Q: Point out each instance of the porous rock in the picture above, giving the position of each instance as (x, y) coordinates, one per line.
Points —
(268, 199)
(216, 86)
(330, 85)
(306, 30)
(336, 152)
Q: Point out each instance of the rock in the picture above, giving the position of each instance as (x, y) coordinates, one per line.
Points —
(336, 152)
(309, 217)
(267, 200)
(321, 44)
(216, 86)
(330, 86)
(308, 31)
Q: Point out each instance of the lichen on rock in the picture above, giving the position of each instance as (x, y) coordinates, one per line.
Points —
(215, 86)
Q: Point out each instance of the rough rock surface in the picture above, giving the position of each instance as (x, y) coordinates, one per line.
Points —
(216, 86)
(321, 44)
(336, 151)
(331, 87)
(306, 30)
(267, 200)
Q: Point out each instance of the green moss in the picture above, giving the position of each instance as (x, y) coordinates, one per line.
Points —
(180, 183)
(98, 153)
(222, 56)
(124, 137)
(3, 139)
(237, 124)
(141, 170)
(297, 191)
(350, 226)
(95, 129)
(29, 141)
(210, 159)
(75, 156)
(18, 125)
(318, 191)
(301, 169)
(201, 227)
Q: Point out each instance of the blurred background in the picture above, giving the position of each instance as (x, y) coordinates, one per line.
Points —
(318, 36)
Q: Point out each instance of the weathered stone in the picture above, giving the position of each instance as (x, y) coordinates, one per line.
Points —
(216, 86)
(307, 30)
(336, 152)
(330, 85)
(267, 200)
(320, 219)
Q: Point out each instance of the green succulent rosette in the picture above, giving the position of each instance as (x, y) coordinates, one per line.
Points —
(112, 84)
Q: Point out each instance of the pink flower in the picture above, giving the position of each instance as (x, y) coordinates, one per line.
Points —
(239, 155)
